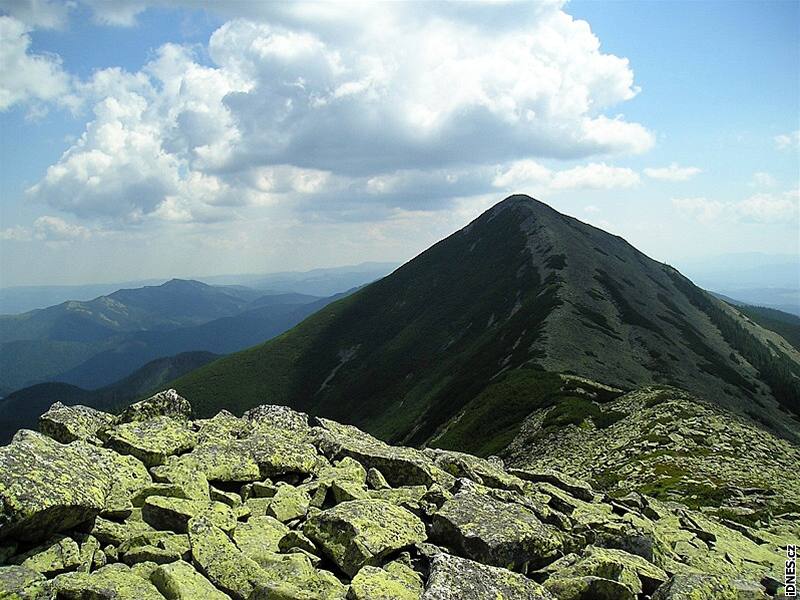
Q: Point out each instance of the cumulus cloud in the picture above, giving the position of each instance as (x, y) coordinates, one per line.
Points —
(702, 209)
(47, 228)
(530, 175)
(393, 105)
(759, 208)
(672, 173)
(788, 141)
(28, 76)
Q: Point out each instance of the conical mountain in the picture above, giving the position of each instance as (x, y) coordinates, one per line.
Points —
(518, 295)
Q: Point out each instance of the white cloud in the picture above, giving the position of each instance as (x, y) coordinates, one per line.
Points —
(672, 173)
(770, 208)
(332, 106)
(56, 229)
(758, 208)
(788, 141)
(28, 77)
(44, 14)
(702, 209)
(526, 175)
(762, 180)
(47, 228)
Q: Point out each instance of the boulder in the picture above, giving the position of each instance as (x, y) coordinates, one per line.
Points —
(221, 561)
(259, 536)
(487, 530)
(374, 583)
(67, 424)
(363, 532)
(47, 487)
(576, 487)
(399, 465)
(21, 583)
(58, 555)
(180, 581)
(151, 441)
(288, 503)
(174, 514)
(689, 586)
(588, 587)
(163, 404)
(112, 582)
(453, 578)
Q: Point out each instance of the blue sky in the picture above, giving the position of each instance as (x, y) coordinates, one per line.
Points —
(140, 141)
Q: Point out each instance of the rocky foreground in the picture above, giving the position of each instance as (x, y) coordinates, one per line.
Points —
(277, 505)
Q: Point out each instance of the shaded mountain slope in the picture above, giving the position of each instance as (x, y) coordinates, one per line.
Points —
(22, 408)
(76, 348)
(521, 286)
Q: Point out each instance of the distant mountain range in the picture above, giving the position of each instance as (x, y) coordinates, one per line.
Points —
(22, 408)
(522, 291)
(97, 342)
(317, 282)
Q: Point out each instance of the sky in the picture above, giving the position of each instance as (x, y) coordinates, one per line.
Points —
(151, 139)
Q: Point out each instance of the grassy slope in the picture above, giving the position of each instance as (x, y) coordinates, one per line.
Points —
(784, 324)
(406, 353)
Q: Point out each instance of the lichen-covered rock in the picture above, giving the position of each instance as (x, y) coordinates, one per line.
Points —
(221, 561)
(180, 581)
(163, 404)
(112, 582)
(151, 441)
(58, 555)
(477, 469)
(47, 487)
(174, 513)
(184, 473)
(399, 465)
(276, 418)
(694, 586)
(376, 480)
(485, 529)
(580, 587)
(576, 487)
(279, 455)
(634, 572)
(67, 424)
(130, 478)
(288, 503)
(259, 536)
(453, 578)
(362, 532)
(21, 583)
(374, 583)
(229, 460)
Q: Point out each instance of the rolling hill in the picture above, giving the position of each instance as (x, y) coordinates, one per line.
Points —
(522, 286)
(22, 408)
(92, 344)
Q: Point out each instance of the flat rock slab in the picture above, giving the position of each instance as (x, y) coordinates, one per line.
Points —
(454, 578)
(362, 532)
(67, 424)
(152, 441)
(493, 532)
(47, 487)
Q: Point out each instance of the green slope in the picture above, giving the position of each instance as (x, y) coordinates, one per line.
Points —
(426, 358)
(521, 286)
